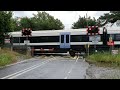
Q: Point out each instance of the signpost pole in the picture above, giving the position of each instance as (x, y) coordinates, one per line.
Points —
(11, 43)
(95, 47)
(110, 49)
(111, 43)
(88, 50)
(27, 44)
(95, 41)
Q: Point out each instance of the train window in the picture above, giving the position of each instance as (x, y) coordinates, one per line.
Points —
(62, 38)
(19, 39)
(79, 38)
(101, 37)
(117, 37)
(67, 38)
(15, 39)
(43, 39)
(112, 35)
(22, 39)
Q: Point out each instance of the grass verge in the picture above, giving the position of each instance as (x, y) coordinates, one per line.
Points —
(8, 57)
(105, 59)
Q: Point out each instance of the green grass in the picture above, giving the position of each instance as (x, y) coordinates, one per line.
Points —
(105, 58)
(6, 59)
(7, 56)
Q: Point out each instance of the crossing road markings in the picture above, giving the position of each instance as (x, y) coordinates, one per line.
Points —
(11, 76)
(71, 68)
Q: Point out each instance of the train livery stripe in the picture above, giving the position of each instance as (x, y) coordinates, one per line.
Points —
(56, 43)
(72, 43)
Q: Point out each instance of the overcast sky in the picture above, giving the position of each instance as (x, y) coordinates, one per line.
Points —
(66, 17)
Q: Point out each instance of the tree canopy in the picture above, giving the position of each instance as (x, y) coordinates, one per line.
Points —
(111, 17)
(40, 21)
(5, 24)
(83, 22)
(44, 21)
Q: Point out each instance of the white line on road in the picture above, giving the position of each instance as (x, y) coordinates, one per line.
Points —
(66, 60)
(18, 62)
(26, 71)
(71, 68)
(11, 76)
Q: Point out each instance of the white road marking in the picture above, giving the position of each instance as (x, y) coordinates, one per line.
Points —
(26, 71)
(11, 76)
(66, 60)
(71, 68)
(16, 63)
(20, 71)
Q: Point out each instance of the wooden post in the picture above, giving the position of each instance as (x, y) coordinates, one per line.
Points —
(32, 51)
(95, 47)
(110, 49)
(88, 50)
(11, 43)
(26, 45)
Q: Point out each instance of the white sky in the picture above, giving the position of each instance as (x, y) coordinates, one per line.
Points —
(66, 17)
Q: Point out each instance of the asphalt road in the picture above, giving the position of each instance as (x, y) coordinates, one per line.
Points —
(47, 67)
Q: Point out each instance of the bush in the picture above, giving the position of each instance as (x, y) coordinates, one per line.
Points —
(105, 57)
(6, 59)
(7, 56)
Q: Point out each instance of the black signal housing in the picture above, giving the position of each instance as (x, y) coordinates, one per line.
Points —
(26, 32)
(92, 30)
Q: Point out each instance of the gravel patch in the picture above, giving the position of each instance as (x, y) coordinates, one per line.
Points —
(95, 72)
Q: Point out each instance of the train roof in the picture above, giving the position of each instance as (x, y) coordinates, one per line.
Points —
(72, 31)
(50, 32)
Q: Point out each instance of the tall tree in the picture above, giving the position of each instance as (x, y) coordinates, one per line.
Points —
(15, 24)
(44, 21)
(111, 17)
(83, 22)
(19, 23)
(5, 24)
(39, 21)
(26, 22)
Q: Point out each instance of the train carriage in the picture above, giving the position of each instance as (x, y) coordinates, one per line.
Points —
(72, 40)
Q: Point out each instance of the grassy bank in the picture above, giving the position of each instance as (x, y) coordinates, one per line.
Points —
(7, 56)
(104, 58)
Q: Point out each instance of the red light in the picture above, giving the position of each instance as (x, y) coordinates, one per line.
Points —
(90, 28)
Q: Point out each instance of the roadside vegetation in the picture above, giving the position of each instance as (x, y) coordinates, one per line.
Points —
(104, 58)
(8, 57)
(45, 21)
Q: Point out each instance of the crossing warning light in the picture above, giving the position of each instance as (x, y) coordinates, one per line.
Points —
(26, 32)
(110, 42)
(92, 30)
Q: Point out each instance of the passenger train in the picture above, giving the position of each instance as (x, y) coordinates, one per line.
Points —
(72, 40)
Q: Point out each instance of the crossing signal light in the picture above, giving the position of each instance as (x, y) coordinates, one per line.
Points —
(92, 30)
(26, 32)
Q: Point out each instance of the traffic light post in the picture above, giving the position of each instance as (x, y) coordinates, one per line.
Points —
(111, 44)
(104, 36)
(87, 49)
(95, 47)
(11, 41)
(26, 43)
(93, 31)
(26, 32)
